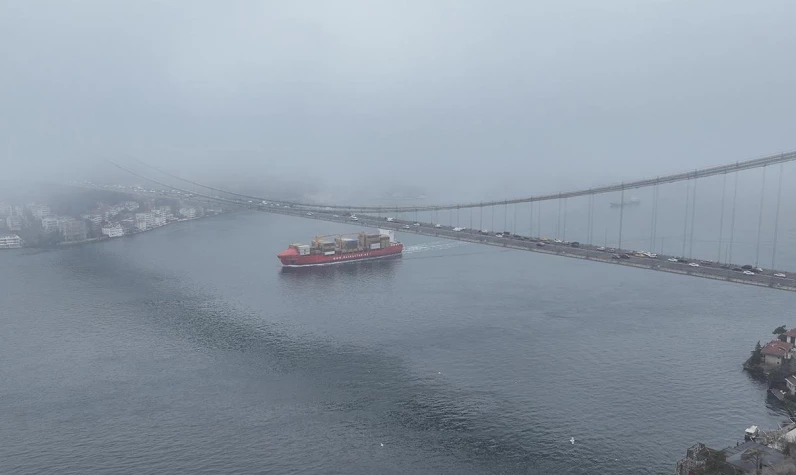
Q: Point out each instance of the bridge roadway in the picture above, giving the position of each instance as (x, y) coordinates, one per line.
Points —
(706, 269)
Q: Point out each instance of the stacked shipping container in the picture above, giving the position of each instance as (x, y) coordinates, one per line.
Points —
(344, 245)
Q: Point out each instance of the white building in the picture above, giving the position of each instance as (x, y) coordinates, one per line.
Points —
(128, 225)
(96, 219)
(143, 221)
(6, 210)
(11, 241)
(14, 223)
(189, 213)
(49, 224)
(776, 352)
(113, 230)
(72, 229)
(39, 211)
(112, 212)
(164, 210)
(130, 205)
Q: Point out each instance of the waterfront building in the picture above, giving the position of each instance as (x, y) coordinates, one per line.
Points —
(130, 205)
(96, 219)
(790, 336)
(790, 382)
(776, 352)
(72, 229)
(746, 458)
(188, 212)
(39, 210)
(10, 241)
(113, 230)
(129, 225)
(6, 210)
(164, 210)
(14, 223)
(750, 457)
(49, 224)
(143, 221)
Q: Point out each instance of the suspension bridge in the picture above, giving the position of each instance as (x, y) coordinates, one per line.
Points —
(726, 248)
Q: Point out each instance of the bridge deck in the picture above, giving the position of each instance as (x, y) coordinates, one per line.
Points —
(586, 252)
(591, 253)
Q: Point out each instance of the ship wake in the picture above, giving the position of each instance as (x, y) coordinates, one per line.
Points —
(433, 246)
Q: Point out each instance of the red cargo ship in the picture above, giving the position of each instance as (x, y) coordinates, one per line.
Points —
(325, 251)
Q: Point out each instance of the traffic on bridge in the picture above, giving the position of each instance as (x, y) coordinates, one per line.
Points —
(619, 252)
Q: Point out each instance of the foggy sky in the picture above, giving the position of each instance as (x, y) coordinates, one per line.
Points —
(481, 99)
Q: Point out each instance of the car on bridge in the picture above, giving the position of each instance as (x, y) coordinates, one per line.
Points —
(780, 274)
(458, 229)
(416, 224)
(693, 264)
(672, 259)
(748, 272)
(405, 226)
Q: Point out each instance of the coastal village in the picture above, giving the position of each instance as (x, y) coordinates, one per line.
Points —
(764, 452)
(37, 224)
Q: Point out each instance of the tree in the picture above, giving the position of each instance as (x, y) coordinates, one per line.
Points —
(753, 455)
(757, 354)
(785, 468)
(779, 330)
(715, 461)
(788, 466)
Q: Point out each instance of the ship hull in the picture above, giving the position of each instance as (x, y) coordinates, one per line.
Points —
(356, 256)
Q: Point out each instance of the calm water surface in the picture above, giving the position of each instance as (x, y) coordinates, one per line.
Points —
(188, 350)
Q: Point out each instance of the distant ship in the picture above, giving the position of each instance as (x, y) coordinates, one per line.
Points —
(324, 251)
(631, 202)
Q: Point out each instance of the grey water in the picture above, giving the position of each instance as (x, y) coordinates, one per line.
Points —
(189, 350)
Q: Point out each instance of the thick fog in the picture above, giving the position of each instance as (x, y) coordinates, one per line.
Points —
(452, 99)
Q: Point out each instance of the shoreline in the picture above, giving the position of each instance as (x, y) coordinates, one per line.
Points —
(104, 238)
